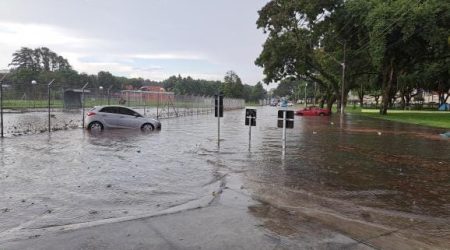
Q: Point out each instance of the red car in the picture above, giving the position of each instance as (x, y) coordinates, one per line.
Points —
(313, 111)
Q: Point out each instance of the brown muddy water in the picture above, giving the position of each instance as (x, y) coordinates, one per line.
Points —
(376, 181)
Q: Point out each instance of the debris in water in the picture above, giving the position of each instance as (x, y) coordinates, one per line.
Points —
(109, 185)
(379, 133)
(445, 135)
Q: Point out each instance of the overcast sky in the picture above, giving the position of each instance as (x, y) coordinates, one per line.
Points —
(152, 39)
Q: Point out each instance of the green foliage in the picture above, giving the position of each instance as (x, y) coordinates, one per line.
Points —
(39, 59)
(396, 46)
(232, 85)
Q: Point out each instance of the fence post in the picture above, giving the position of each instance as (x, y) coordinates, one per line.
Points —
(1, 102)
(82, 104)
(109, 94)
(48, 87)
(157, 106)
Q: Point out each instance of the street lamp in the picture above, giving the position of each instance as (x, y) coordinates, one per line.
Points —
(315, 92)
(33, 83)
(306, 103)
(101, 94)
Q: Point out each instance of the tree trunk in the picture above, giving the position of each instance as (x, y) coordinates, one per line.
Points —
(388, 79)
(321, 102)
(330, 101)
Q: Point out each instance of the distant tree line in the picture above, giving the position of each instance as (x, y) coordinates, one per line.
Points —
(42, 65)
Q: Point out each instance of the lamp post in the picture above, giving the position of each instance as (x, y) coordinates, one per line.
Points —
(101, 94)
(306, 103)
(33, 83)
(343, 82)
(315, 92)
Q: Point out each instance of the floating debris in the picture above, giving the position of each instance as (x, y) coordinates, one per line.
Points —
(445, 135)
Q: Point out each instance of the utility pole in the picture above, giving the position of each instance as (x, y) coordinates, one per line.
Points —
(343, 82)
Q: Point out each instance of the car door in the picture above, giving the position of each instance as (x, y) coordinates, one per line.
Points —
(110, 116)
(129, 118)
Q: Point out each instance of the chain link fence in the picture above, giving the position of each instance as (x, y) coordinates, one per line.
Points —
(33, 108)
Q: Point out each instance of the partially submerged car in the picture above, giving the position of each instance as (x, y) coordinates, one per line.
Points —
(101, 117)
(313, 111)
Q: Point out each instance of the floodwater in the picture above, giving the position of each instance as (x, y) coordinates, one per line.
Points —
(25, 123)
(376, 181)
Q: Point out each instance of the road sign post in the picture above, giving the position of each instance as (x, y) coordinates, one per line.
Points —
(218, 112)
(285, 120)
(250, 121)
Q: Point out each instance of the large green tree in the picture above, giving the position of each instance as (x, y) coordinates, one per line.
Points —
(381, 41)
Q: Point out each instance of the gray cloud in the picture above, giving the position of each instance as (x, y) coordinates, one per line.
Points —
(221, 32)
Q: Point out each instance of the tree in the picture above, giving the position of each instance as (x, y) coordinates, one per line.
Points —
(232, 85)
(39, 59)
(383, 40)
(258, 92)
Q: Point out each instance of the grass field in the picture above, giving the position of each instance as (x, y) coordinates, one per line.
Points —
(437, 119)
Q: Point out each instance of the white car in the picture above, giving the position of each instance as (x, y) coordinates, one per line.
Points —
(101, 117)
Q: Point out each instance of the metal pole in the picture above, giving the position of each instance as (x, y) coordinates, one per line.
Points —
(109, 94)
(157, 106)
(48, 87)
(218, 120)
(306, 102)
(284, 132)
(249, 133)
(315, 91)
(82, 104)
(343, 82)
(1, 103)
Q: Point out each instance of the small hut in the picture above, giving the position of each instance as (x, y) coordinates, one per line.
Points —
(73, 98)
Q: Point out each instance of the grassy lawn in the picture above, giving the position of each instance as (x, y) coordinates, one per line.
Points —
(438, 119)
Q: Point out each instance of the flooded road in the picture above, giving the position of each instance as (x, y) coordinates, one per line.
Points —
(373, 180)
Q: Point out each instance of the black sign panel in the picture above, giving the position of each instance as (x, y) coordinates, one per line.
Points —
(289, 118)
(216, 103)
(250, 117)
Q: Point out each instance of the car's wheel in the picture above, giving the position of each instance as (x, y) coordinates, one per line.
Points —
(95, 126)
(147, 127)
(321, 114)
